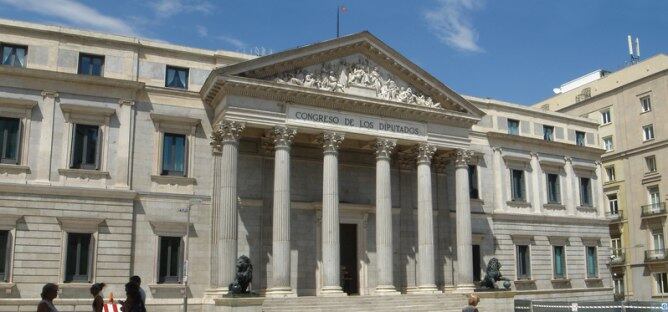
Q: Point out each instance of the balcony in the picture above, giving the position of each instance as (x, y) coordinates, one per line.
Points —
(653, 210)
(616, 216)
(618, 257)
(656, 255)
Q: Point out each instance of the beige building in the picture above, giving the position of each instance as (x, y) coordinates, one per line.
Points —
(340, 168)
(630, 105)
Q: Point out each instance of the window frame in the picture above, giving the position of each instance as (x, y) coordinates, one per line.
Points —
(564, 263)
(557, 185)
(87, 115)
(98, 148)
(176, 69)
(90, 258)
(519, 276)
(612, 143)
(7, 276)
(651, 159)
(22, 110)
(584, 138)
(176, 125)
(518, 126)
(2, 56)
(660, 287)
(89, 71)
(645, 106)
(474, 185)
(170, 279)
(610, 203)
(646, 134)
(589, 193)
(606, 114)
(17, 158)
(610, 173)
(587, 273)
(513, 191)
(174, 173)
(548, 135)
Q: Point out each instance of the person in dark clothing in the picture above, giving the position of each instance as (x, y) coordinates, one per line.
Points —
(133, 302)
(49, 292)
(137, 280)
(98, 301)
(473, 303)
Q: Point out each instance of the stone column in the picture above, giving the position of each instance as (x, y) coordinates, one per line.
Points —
(570, 195)
(331, 280)
(535, 183)
(384, 254)
(282, 138)
(426, 275)
(43, 172)
(123, 158)
(463, 217)
(225, 145)
(406, 162)
(600, 196)
(499, 194)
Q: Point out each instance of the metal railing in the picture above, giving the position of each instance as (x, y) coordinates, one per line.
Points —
(654, 209)
(584, 306)
(617, 257)
(656, 254)
(615, 216)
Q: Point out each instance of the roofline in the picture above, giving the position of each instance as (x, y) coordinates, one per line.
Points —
(122, 39)
(532, 110)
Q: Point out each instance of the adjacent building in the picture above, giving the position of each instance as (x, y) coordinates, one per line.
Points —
(630, 105)
(339, 168)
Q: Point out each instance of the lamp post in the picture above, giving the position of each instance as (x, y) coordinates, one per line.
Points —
(193, 202)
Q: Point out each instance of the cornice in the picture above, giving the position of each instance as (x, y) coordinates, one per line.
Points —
(535, 218)
(69, 77)
(635, 151)
(334, 100)
(37, 189)
(534, 141)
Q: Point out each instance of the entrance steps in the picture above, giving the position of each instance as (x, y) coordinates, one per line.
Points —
(409, 303)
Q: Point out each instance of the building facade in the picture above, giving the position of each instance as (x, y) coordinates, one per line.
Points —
(629, 105)
(339, 168)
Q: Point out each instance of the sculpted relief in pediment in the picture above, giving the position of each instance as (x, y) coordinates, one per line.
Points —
(357, 75)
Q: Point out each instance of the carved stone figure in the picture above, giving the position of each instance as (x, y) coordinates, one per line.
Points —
(243, 278)
(493, 275)
(338, 76)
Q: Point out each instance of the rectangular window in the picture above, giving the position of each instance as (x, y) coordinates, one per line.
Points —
(559, 264)
(517, 185)
(548, 133)
(585, 192)
(613, 204)
(9, 140)
(523, 262)
(4, 256)
(648, 132)
(616, 246)
(86, 147)
(473, 182)
(553, 193)
(646, 104)
(174, 154)
(14, 55)
(610, 173)
(607, 144)
(91, 64)
(513, 126)
(654, 196)
(650, 161)
(170, 260)
(592, 262)
(580, 138)
(79, 257)
(661, 283)
(177, 77)
(618, 284)
(605, 117)
(657, 241)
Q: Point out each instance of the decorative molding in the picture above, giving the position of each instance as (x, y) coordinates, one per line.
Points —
(84, 174)
(7, 169)
(346, 76)
(50, 94)
(281, 136)
(79, 225)
(178, 120)
(591, 241)
(226, 132)
(559, 240)
(87, 109)
(128, 102)
(463, 158)
(425, 152)
(173, 180)
(8, 221)
(568, 159)
(168, 228)
(17, 103)
(331, 141)
(384, 148)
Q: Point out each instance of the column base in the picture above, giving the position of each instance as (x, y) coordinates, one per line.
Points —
(427, 289)
(464, 289)
(448, 289)
(280, 292)
(386, 290)
(412, 290)
(332, 291)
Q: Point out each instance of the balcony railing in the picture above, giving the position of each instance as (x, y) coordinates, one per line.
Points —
(617, 257)
(615, 216)
(651, 210)
(656, 255)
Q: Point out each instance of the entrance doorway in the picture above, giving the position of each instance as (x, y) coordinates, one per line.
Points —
(477, 263)
(349, 269)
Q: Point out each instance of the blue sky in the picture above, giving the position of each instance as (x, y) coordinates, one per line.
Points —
(510, 50)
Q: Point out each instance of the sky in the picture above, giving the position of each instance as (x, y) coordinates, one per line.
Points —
(511, 50)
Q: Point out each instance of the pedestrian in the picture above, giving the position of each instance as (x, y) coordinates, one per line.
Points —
(49, 292)
(133, 302)
(98, 301)
(137, 280)
(473, 303)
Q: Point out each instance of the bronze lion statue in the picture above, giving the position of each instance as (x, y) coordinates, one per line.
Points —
(243, 277)
(493, 275)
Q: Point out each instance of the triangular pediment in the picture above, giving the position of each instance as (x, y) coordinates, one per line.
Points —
(359, 65)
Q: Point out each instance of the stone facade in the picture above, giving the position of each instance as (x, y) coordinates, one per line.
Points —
(273, 169)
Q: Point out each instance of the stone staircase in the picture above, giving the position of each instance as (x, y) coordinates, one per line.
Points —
(408, 303)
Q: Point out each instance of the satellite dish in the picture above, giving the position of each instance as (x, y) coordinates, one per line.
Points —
(556, 90)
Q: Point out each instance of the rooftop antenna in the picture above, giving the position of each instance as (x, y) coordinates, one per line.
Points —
(638, 48)
(635, 57)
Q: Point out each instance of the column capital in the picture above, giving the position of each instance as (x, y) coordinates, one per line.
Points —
(463, 158)
(533, 155)
(568, 159)
(281, 136)
(128, 102)
(425, 152)
(497, 149)
(226, 131)
(384, 147)
(50, 94)
(598, 163)
(331, 141)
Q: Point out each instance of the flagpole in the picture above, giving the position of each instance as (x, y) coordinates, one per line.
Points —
(338, 8)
